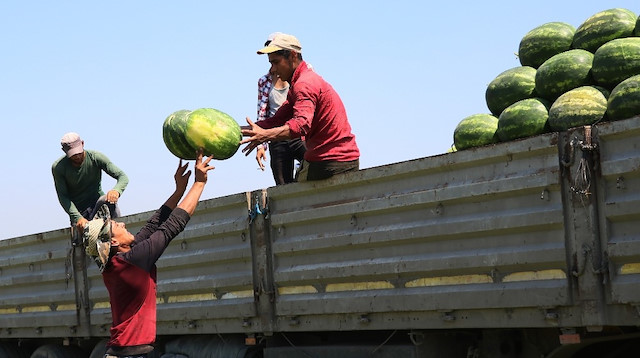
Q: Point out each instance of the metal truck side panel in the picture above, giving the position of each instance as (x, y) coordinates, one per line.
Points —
(619, 200)
(463, 231)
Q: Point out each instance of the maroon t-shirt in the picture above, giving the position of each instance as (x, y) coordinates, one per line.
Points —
(131, 280)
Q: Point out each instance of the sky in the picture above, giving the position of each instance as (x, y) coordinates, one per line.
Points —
(407, 71)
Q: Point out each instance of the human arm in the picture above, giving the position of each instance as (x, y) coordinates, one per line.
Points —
(264, 87)
(62, 192)
(284, 113)
(122, 180)
(261, 155)
(181, 177)
(258, 135)
(190, 201)
(145, 253)
(161, 216)
(305, 100)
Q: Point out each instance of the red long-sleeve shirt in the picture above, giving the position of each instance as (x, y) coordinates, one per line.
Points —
(314, 110)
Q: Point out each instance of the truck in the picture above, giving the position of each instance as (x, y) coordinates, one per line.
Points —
(528, 248)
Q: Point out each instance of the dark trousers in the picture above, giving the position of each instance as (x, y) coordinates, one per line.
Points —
(327, 169)
(283, 155)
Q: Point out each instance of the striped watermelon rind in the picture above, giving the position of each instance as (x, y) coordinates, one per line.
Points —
(475, 130)
(544, 41)
(173, 134)
(214, 131)
(624, 101)
(603, 27)
(580, 106)
(510, 87)
(616, 61)
(605, 92)
(563, 72)
(524, 118)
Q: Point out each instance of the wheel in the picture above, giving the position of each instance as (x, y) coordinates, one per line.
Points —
(58, 351)
(99, 349)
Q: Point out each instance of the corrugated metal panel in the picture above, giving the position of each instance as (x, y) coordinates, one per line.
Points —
(37, 293)
(476, 238)
(620, 206)
(407, 237)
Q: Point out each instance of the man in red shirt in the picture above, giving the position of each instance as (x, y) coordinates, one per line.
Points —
(312, 110)
(128, 262)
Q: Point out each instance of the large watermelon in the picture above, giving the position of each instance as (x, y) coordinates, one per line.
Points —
(605, 92)
(603, 27)
(580, 106)
(616, 61)
(563, 72)
(509, 87)
(173, 130)
(214, 131)
(539, 44)
(523, 119)
(624, 101)
(475, 130)
(637, 30)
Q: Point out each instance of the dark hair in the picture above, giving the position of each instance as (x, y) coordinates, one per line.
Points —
(286, 53)
(267, 43)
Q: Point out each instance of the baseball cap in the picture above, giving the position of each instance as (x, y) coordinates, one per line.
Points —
(72, 144)
(282, 42)
(271, 37)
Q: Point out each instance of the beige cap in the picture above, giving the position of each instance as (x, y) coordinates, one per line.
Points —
(97, 237)
(282, 42)
(72, 144)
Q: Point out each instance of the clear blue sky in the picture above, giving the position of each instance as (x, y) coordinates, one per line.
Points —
(407, 71)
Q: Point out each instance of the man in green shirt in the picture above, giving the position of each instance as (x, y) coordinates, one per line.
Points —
(78, 180)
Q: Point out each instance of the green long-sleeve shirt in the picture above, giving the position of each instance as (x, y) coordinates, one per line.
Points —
(79, 188)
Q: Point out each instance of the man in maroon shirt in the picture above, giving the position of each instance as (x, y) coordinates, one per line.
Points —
(312, 110)
(129, 265)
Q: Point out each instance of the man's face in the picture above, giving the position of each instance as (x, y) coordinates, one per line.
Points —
(120, 235)
(77, 159)
(282, 66)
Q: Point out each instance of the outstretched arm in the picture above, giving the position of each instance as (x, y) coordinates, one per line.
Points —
(258, 135)
(190, 201)
(182, 179)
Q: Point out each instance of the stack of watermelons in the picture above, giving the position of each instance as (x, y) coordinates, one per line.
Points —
(184, 132)
(568, 78)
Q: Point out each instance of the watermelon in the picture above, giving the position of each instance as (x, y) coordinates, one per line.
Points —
(523, 119)
(637, 30)
(539, 44)
(563, 72)
(624, 101)
(214, 131)
(605, 92)
(580, 106)
(616, 61)
(509, 87)
(603, 27)
(474, 131)
(173, 130)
